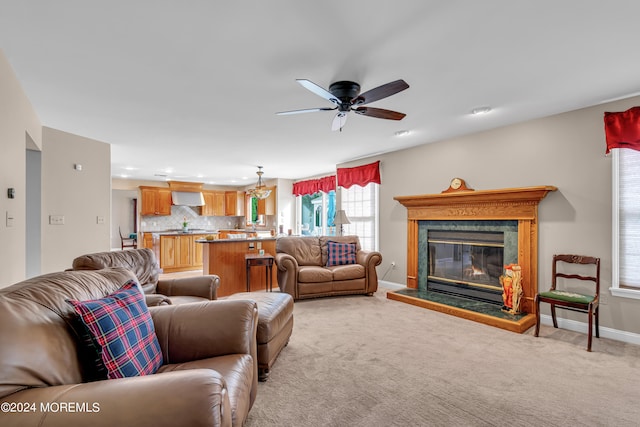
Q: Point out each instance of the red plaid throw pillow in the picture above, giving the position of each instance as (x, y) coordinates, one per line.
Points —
(340, 253)
(123, 332)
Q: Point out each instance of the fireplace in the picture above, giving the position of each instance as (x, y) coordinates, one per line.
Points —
(459, 241)
(466, 258)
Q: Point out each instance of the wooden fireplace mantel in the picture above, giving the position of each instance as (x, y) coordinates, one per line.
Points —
(519, 204)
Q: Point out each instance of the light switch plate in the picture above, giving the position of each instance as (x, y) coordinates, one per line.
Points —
(9, 219)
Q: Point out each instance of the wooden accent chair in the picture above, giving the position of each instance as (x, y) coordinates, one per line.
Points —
(573, 294)
(127, 242)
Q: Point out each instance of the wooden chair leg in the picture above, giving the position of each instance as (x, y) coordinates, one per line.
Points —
(537, 317)
(553, 315)
(590, 329)
(597, 322)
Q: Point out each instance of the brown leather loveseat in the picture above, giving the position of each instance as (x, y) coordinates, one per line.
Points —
(303, 269)
(207, 377)
(143, 263)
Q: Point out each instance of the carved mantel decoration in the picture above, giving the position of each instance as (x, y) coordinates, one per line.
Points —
(463, 203)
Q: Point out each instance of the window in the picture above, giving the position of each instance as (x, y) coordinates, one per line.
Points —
(361, 206)
(626, 223)
(316, 213)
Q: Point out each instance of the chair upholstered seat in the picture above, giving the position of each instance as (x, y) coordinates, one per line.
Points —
(568, 296)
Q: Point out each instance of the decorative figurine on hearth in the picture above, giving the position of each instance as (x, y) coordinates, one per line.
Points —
(511, 282)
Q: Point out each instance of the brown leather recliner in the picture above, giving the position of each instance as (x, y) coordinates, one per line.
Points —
(303, 271)
(208, 377)
(145, 266)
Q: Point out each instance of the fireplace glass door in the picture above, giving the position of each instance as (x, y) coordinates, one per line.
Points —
(466, 262)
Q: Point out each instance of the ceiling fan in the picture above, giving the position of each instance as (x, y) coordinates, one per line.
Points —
(347, 97)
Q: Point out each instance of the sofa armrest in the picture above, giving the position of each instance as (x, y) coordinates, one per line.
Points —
(197, 331)
(287, 267)
(370, 260)
(194, 397)
(201, 286)
(153, 300)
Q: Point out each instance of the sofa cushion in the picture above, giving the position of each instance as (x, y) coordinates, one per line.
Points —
(306, 250)
(340, 253)
(123, 330)
(313, 274)
(141, 261)
(348, 272)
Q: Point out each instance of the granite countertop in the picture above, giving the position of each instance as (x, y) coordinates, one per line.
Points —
(235, 240)
(180, 232)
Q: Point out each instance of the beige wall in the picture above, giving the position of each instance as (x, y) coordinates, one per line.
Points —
(19, 129)
(565, 150)
(81, 196)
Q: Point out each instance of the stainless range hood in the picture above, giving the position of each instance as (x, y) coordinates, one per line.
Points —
(184, 198)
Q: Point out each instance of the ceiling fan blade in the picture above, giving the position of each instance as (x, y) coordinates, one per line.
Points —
(380, 92)
(379, 113)
(309, 85)
(339, 120)
(308, 110)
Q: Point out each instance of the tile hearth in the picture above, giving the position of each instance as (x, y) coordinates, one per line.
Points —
(460, 302)
(477, 311)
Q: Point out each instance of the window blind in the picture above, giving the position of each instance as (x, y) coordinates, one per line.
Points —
(629, 217)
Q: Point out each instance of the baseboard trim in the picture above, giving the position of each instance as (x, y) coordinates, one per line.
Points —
(391, 285)
(574, 325)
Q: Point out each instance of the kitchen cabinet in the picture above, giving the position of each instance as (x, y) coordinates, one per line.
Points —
(197, 250)
(155, 201)
(147, 240)
(234, 203)
(180, 252)
(214, 203)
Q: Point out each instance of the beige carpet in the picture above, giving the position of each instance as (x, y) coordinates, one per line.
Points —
(370, 361)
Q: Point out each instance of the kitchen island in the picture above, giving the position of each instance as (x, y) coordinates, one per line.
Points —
(176, 250)
(226, 259)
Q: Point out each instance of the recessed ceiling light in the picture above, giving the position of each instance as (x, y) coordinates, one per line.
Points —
(480, 110)
(402, 132)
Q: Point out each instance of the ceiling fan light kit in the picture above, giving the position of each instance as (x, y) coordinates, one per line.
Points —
(347, 97)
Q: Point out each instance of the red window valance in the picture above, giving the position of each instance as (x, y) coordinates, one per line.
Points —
(621, 129)
(359, 175)
(312, 186)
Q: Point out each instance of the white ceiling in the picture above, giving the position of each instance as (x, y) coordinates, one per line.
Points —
(190, 89)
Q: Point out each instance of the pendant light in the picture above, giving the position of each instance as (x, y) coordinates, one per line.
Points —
(260, 191)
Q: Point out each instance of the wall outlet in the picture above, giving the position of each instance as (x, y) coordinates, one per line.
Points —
(56, 219)
(99, 219)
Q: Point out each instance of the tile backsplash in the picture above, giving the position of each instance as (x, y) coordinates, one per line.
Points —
(192, 215)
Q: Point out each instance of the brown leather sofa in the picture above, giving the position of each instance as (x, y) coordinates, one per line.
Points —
(145, 266)
(208, 377)
(303, 271)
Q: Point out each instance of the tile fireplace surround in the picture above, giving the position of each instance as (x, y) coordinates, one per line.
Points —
(510, 204)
